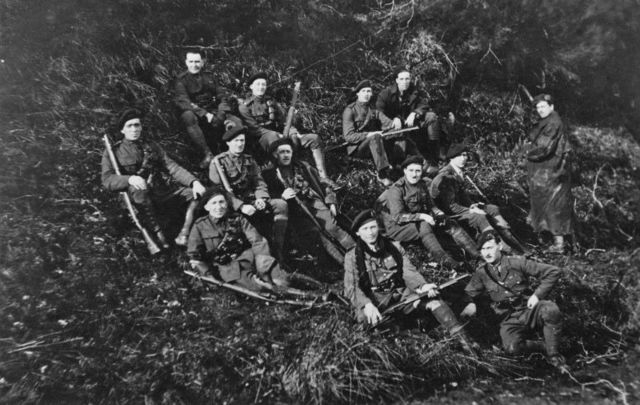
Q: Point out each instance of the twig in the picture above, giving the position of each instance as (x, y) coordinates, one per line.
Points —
(38, 345)
(593, 250)
(595, 186)
(622, 392)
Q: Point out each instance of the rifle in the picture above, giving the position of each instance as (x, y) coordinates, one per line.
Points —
(526, 92)
(384, 135)
(292, 110)
(477, 188)
(223, 175)
(152, 246)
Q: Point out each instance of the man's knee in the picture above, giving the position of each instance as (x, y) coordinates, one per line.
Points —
(512, 346)
(311, 141)
(433, 304)
(550, 313)
(492, 210)
(424, 228)
(188, 118)
(279, 207)
(139, 196)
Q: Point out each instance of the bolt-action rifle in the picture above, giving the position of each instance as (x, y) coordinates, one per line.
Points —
(385, 135)
(292, 110)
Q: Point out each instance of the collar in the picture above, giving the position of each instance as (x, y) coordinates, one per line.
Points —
(459, 172)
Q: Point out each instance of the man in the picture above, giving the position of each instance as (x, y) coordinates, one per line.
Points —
(409, 215)
(265, 119)
(203, 106)
(379, 274)
(149, 176)
(312, 202)
(523, 310)
(407, 106)
(362, 127)
(448, 191)
(238, 172)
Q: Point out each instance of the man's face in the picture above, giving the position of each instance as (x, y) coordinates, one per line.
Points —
(490, 251)
(403, 81)
(544, 109)
(460, 161)
(258, 87)
(194, 62)
(364, 94)
(216, 206)
(132, 129)
(413, 173)
(236, 145)
(368, 232)
(284, 155)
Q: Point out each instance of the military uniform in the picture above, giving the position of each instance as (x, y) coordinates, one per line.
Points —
(400, 207)
(507, 284)
(235, 248)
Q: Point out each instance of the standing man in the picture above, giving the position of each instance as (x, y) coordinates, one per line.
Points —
(407, 106)
(523, 310)
(409, 215)
(312, 202)
(265, 119)
(202, 105)
(448, 191)
(549, 169)
(362, 127)
(149, 176)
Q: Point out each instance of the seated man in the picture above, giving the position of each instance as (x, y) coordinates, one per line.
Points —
(379, 274)
(239, 174)
(362, 127)
(448, 191)
(227, 242)
(409, 215)
(265, 119)
(523, 310)
(407, 106)
(149, 176)
(312, 202)
(202, 104)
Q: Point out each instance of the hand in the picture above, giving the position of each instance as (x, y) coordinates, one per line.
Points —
(533, 301)
(372, 314)
(288, 193)
(198, 189)
(397, 123)
(333, 210)
(429, 288)
(410, 119)
(373, 133)
(137, 183)
(468, 311)
(209, 117)
(428, 219)
(248, 210)
(260, 204)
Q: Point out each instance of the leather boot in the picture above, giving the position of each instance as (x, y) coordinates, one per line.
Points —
(510, 239)
(318, 157)
(279, 234)
(558, 244)
(181, 239)
(430, 242)
(445, 316)
(462, 238)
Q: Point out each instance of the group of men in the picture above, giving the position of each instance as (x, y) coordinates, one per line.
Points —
(400, 132)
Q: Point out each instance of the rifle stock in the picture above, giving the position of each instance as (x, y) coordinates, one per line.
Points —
(292, 110)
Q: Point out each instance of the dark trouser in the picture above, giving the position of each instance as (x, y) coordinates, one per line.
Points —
(144, 201)
(385, 152)
(428, 138)
(515, 328)
(306, 141)
(272, 224)
(214, 130)
(478, 222)
(419, 231)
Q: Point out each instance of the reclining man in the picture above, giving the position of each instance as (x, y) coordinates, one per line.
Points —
(448, 191)
(362, 127)
(409, 215)
(523, 310)
(311, 201)
(379, 274)
(149, 176)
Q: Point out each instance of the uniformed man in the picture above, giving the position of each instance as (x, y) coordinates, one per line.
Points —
(240, 175)
(265, 119)
(408, 106)
(448, 192)
(203, 106)
(379, 274)
(312, 202)
(362, 127)
(409, 215)
(149, 176)
(226, 243)
(523, 310)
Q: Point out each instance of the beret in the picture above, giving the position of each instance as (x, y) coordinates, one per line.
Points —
(363, 218)
(543, 97)
(414, 159)
(400, 69)
(233, 132)
(488, 235)
(279, 142)
(256, 76)
(128, 114)
(361, 85)
(212, 192)
(456, 149)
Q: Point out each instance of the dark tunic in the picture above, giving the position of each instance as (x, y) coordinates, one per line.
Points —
(394, 105)
(403, 203)
(358, 119)
(201, 94)
(243, 175)
(548, 167)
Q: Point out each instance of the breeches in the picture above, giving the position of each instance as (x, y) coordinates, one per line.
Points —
(478, 222)
(515, 328)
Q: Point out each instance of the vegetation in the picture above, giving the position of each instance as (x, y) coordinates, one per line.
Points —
(86, 316)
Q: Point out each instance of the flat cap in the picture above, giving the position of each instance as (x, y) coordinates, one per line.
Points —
(456, 149)
(543, 97)
(361, 85)
(233, 132)
(413, 159)
(279, 142)
(362, 218)
(256, 76)
(488, 235)
(128, 114)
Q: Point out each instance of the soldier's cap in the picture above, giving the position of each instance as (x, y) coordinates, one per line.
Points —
(412, 160)
(273, 148)
(456, 149)
(487, 236)
(233, 132)
(543, 97)
(128, 114)
(363, 218)
(400, 69)
(361, 85)
(256, 76)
